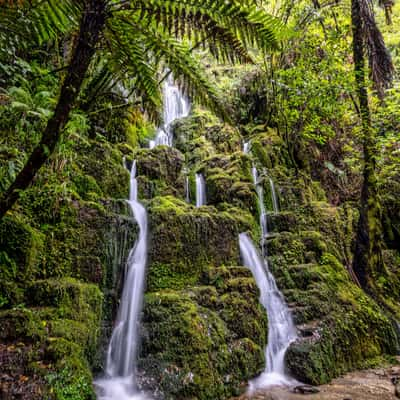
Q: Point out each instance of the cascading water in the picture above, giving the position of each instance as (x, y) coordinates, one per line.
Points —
(281, 329)
(261, 206)
(120, 380)
(274, 196)
(246, 147)
(176, 105)
(200, 190)
(187, 189)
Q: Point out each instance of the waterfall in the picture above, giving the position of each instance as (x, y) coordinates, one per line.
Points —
(120, 380)
(261, 206)
(281, 329)
(246, 147)
(274, 196)
(176, 105)
(187, 189)
(200, 190)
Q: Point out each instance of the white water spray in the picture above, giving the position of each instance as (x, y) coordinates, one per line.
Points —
(200, 191)
(120, 381)
(281, 329)
(176, 105)
(246, 147)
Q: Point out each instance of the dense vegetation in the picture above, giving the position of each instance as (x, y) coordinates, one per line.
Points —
(313, 86)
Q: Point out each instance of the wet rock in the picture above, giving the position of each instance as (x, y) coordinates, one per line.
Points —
(397, 390)
(305, 389)
(395, 379)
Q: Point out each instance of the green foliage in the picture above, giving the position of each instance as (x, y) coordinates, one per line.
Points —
(24, 22)
(67, 385)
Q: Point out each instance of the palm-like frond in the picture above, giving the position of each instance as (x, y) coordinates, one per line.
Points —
(129, 58)
(205, 20)
(178, 58)
(25, 21)
(142, 35)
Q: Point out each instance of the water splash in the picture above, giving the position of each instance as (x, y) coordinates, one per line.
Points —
(281, 329)
(176, 105)
(246, 147)
(200, 191)
(120, 381)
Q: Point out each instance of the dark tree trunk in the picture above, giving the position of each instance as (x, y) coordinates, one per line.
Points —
(91, 26)
(368, 262)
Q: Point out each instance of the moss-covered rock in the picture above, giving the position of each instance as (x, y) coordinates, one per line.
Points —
(99, 171)
(202, 347)
(202, 124)
(186, 240)
(159, 172)
(228, 180)
(348, 330)
(21, 250)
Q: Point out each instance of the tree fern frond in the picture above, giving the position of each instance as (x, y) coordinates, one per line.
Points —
(249, 24)
(130, 59)
(36, 21)
(177, 57)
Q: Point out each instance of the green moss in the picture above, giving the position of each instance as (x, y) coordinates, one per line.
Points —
(73, 298)
(87, 187)
(159, 172)
(188, 349)
(101, 170)
(244, 317)
(21, 250)
(169, 276)
(22, 243)
(203, 127)
(351, 327)
(71, 377)
(186, 240)
(21, 323)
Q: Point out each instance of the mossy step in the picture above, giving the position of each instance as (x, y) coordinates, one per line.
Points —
(74, 299)
(283, 221)
(242, 285)
(185, 241)
(224, 273)
(183, 338)
(298, 295)
(302, 267)
(20, 324)
(206, 296)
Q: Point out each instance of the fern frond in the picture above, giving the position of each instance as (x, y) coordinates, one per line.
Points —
(34, 22)
(177, 57)
(129, 58)
(206, 19)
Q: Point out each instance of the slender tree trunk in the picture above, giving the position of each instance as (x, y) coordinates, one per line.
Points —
(368, 262)
(91, 26)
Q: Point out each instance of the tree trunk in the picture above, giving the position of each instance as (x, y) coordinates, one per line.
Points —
(91, 26)
(368, 262)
